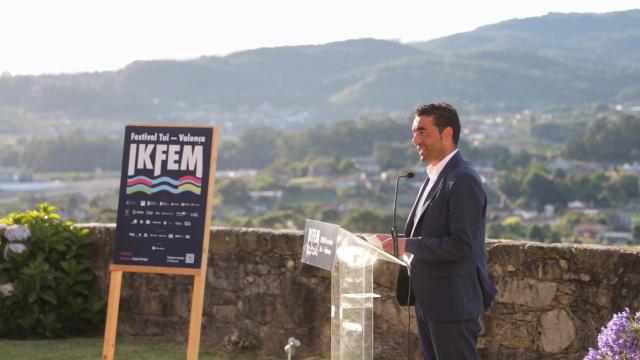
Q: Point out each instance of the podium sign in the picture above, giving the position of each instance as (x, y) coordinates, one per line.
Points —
(320, 241)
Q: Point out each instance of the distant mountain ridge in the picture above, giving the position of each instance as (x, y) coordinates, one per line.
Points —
(609, 37)
(552, 60)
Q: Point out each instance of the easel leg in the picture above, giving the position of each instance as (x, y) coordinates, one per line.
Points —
(109, 345)
(195, 323)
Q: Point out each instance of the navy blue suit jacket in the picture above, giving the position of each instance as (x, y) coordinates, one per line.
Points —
(449, 278)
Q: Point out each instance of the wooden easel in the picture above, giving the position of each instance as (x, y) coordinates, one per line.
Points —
(199, 277)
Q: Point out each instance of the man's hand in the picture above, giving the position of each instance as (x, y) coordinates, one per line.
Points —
(387, 243)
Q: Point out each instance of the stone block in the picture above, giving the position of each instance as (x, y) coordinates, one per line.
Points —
(528, 292)
(222, 242)
(515, 334)
(253, 241)
(557, 330)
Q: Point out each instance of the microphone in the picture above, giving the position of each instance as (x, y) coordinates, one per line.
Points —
(394, 230)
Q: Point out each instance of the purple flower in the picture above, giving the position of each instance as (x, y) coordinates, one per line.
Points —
(17, 233)
(620, 339)
(15, 247)
(593, 355)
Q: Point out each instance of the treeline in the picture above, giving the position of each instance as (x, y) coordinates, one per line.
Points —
(535, 186)
(257, 148)
(72, 152)
(385, 139)
(616, 140)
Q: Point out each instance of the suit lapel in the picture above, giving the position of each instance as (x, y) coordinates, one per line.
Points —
(435, 189)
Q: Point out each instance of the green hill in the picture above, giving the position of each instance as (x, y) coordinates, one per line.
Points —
(547, 61)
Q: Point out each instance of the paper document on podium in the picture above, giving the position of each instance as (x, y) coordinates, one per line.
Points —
(373, 241)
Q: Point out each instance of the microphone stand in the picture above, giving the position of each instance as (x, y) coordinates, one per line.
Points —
(394, 229)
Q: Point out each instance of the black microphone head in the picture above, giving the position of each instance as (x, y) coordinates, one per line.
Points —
(410, 175)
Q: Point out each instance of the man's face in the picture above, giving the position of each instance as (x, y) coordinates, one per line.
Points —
(428, 140)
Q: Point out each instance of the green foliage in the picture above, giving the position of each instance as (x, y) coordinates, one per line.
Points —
(555, 132)
(513, 228)
(233, 191)
(395, 155)
(636, 232)
(535, 186)
(538, 233)
(345, 138)
(72, 152)
(368, 221)
(608, 140)
(55, 292)
(510, 228)
(254, 149)
(543, 189)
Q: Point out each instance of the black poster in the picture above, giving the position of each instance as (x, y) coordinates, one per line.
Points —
(320, 241)
(162, 206)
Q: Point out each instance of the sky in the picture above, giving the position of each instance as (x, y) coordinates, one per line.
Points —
(65, 36)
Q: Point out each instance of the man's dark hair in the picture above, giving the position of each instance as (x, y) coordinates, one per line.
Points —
(444, 116)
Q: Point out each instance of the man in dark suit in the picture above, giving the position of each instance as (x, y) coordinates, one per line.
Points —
(447, 277)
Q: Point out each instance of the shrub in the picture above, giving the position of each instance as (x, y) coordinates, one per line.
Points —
(47, 288)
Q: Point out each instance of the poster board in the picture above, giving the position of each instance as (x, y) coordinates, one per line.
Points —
(164, 214)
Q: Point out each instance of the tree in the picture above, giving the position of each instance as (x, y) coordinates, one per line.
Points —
(628, 185)
(254, 149)
(616, 141)
(394, 155)
(636, 232)
(542, 189)
(368, 221)
(510, 228)
(233, 192)
(509, 184)
(538, 233)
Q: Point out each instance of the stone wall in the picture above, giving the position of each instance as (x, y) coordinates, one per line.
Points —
(552, 300)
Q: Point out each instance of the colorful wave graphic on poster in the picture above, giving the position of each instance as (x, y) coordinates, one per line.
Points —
(150, 186)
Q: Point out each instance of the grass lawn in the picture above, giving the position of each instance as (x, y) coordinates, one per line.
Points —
(126, 348)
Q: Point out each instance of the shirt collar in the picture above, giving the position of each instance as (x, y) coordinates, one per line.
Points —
(434, 170)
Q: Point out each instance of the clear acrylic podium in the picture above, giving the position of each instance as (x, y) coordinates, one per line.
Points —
(352, 296)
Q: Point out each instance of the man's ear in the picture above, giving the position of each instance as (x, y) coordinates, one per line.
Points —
(448, 133)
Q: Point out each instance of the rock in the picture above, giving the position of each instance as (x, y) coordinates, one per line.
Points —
(263, 269)
(253, 241)
(226, 313)
(570, 276)
(527, 292)
(558, 330)
(290, 265)
(223, 243)
(633, 279)
(563, 264)
(496, 270)
(516, 334)
(585, 277)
